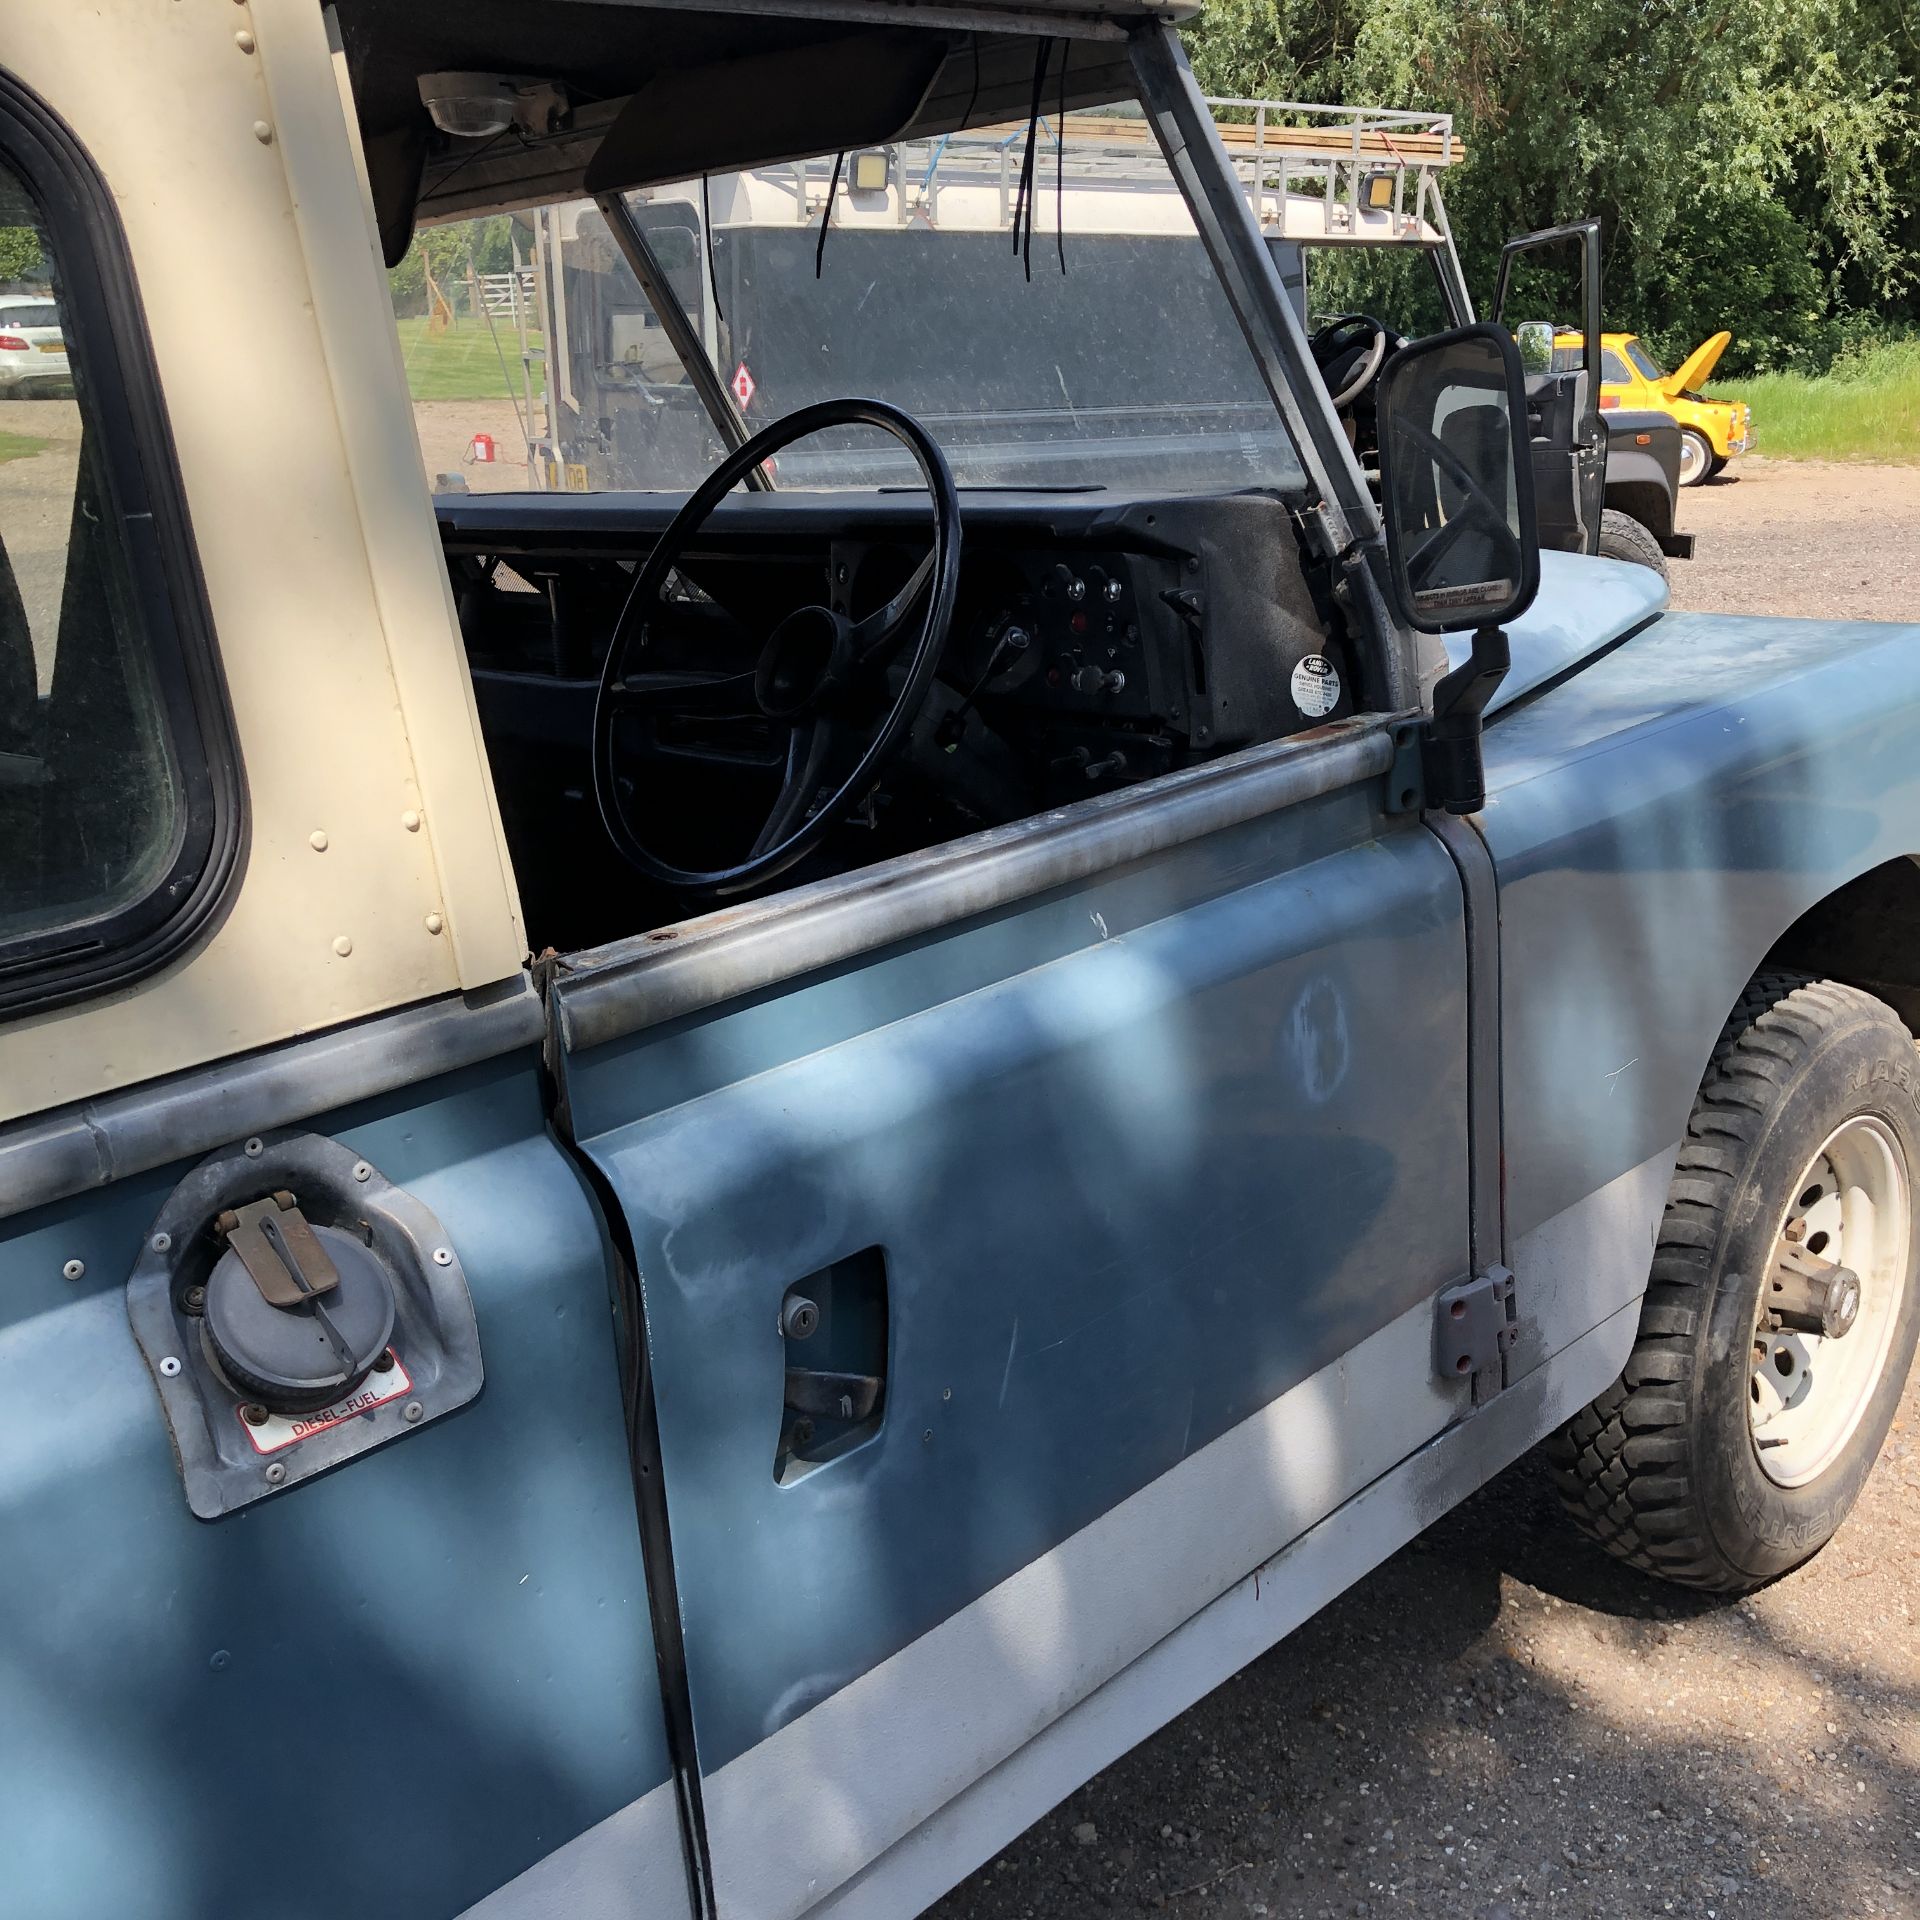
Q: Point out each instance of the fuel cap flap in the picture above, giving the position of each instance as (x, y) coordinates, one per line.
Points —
(296, 1314)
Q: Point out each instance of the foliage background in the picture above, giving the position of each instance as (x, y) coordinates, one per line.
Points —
(1755, 164)
(484, 245)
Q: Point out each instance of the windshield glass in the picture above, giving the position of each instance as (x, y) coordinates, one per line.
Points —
(1126, 368)
(1650, 368)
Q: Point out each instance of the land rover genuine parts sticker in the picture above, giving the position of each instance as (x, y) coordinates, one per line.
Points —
(1316, 686)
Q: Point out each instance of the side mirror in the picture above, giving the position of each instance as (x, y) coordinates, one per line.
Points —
(1456, 492)
(1535, 338)
(1456, 481)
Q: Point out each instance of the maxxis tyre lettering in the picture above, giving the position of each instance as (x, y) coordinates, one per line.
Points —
(1660, 1469)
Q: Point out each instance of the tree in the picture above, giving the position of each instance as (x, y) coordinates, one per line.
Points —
(20, 256)
(1754, 163)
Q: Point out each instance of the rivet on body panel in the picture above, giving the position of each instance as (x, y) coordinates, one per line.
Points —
(243, 40)
(74, 1270)
(317, 840)
(435, 922)
(263, 133)
(410, 820)
(343, 946)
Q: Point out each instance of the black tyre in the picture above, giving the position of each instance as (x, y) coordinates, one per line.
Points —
(1622, 537)
(1719, 465)
(1696, 457)
(1715, 1461)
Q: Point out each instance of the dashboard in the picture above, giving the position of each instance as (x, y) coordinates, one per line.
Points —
(1099, 639)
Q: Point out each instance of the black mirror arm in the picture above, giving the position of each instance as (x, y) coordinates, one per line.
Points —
(1451, 761)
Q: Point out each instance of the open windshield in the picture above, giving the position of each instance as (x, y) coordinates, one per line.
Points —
(1124, 369)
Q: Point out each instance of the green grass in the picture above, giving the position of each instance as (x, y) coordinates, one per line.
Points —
(18, 446)
(1867, 408)
(463, 363)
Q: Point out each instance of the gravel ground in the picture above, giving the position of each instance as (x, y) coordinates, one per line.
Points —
(1809, 539)
(1501, 1721)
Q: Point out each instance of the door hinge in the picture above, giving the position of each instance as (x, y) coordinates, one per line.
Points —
(1474, 1328)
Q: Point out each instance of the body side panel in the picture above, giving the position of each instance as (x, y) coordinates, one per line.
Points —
(1657, 822)
(384, 1691)
(1130, 1190)
(956, 1770)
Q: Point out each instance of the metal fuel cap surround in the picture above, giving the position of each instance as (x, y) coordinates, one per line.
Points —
(271, 1287)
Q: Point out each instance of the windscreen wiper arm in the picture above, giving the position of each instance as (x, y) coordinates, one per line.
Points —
(682, 335)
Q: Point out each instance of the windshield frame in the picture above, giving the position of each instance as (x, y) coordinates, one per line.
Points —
(1334, 511)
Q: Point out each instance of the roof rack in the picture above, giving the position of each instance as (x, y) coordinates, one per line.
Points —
(1283, 151)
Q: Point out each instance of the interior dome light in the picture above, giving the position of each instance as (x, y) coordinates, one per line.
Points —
(470, 106)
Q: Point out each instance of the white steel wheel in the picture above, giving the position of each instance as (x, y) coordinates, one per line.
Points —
(1783, 1308)
(1852, 1214)
(1696, 457)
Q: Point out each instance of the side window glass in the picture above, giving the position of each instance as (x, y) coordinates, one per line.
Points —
(1614, 372)
(90, 800)
(120, 806)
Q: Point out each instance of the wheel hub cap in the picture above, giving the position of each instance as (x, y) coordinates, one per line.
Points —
(1830, 1303)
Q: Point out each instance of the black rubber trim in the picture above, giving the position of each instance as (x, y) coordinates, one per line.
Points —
(634, 1350)
(108, 342)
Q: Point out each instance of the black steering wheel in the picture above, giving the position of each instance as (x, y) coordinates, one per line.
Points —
(816, 669)
(1477, 507)
(1349, 350)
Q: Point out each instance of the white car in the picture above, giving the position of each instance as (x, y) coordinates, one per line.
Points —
(33, 351)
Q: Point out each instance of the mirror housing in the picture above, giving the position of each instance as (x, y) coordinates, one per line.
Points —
(1456, 481)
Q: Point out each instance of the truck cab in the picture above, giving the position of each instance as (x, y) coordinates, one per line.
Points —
(708, 1179)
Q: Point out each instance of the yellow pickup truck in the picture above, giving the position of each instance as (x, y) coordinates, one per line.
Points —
(1711, 431)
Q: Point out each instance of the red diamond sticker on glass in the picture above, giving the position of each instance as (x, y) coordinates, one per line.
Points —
(742, 384)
